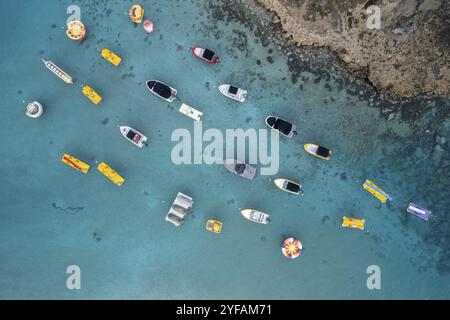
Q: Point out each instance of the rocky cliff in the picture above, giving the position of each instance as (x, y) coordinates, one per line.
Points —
(405, 56)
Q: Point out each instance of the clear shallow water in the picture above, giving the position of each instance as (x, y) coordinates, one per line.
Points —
(52, 217)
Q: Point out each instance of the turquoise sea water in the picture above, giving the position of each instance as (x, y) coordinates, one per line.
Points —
(52, 216)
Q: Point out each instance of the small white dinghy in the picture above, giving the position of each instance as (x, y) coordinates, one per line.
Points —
(133, 136)
(256, 216)
(191, 112)
(34, 109)
(233, 92)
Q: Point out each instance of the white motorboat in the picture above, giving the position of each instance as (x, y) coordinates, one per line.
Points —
(256, 216)
(233, 92)
(289, 186)
(133, 136)
(240, 168)
(162, 90)
(34, 109)
(282, 126)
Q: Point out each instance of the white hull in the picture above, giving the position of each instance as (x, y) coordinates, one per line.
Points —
(142, 140)
(282, 184)
(256, 216)
(249, 172)
(240, 96)
(34, 109)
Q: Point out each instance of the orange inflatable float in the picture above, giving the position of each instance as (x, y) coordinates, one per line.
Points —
(291, 248)
(76, 30)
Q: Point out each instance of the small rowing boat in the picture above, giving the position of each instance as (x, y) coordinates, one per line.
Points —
(57, 71)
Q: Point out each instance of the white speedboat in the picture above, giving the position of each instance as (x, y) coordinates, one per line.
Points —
(233, 92)
(34, 109)
(162, 90)
(282, 126)
(133, 136)
(240, 168)
(256, 216)
(289, 186)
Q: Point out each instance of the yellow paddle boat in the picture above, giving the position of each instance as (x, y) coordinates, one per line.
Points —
(136, 13)
(373, 189)
(353, 223)
(75, 163)
(111, 57)
(92, 95)
(214, 226)
(110, 174)
(318, 151)
(76, 30)
(289, 186)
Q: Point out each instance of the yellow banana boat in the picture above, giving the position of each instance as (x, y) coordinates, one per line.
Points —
(110, 174)
(353, 223)
(374, 190)
(75, 163)
(92, 95)
(111, 57)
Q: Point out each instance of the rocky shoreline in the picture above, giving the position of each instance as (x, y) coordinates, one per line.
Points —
(323, 62)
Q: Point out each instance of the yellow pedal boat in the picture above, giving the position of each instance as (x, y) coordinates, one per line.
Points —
(373, 189)
(111, 57)
(317, 151)
(353, 223)
(92, 95)
(75, 163)
(110, 174)
(214, 226)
